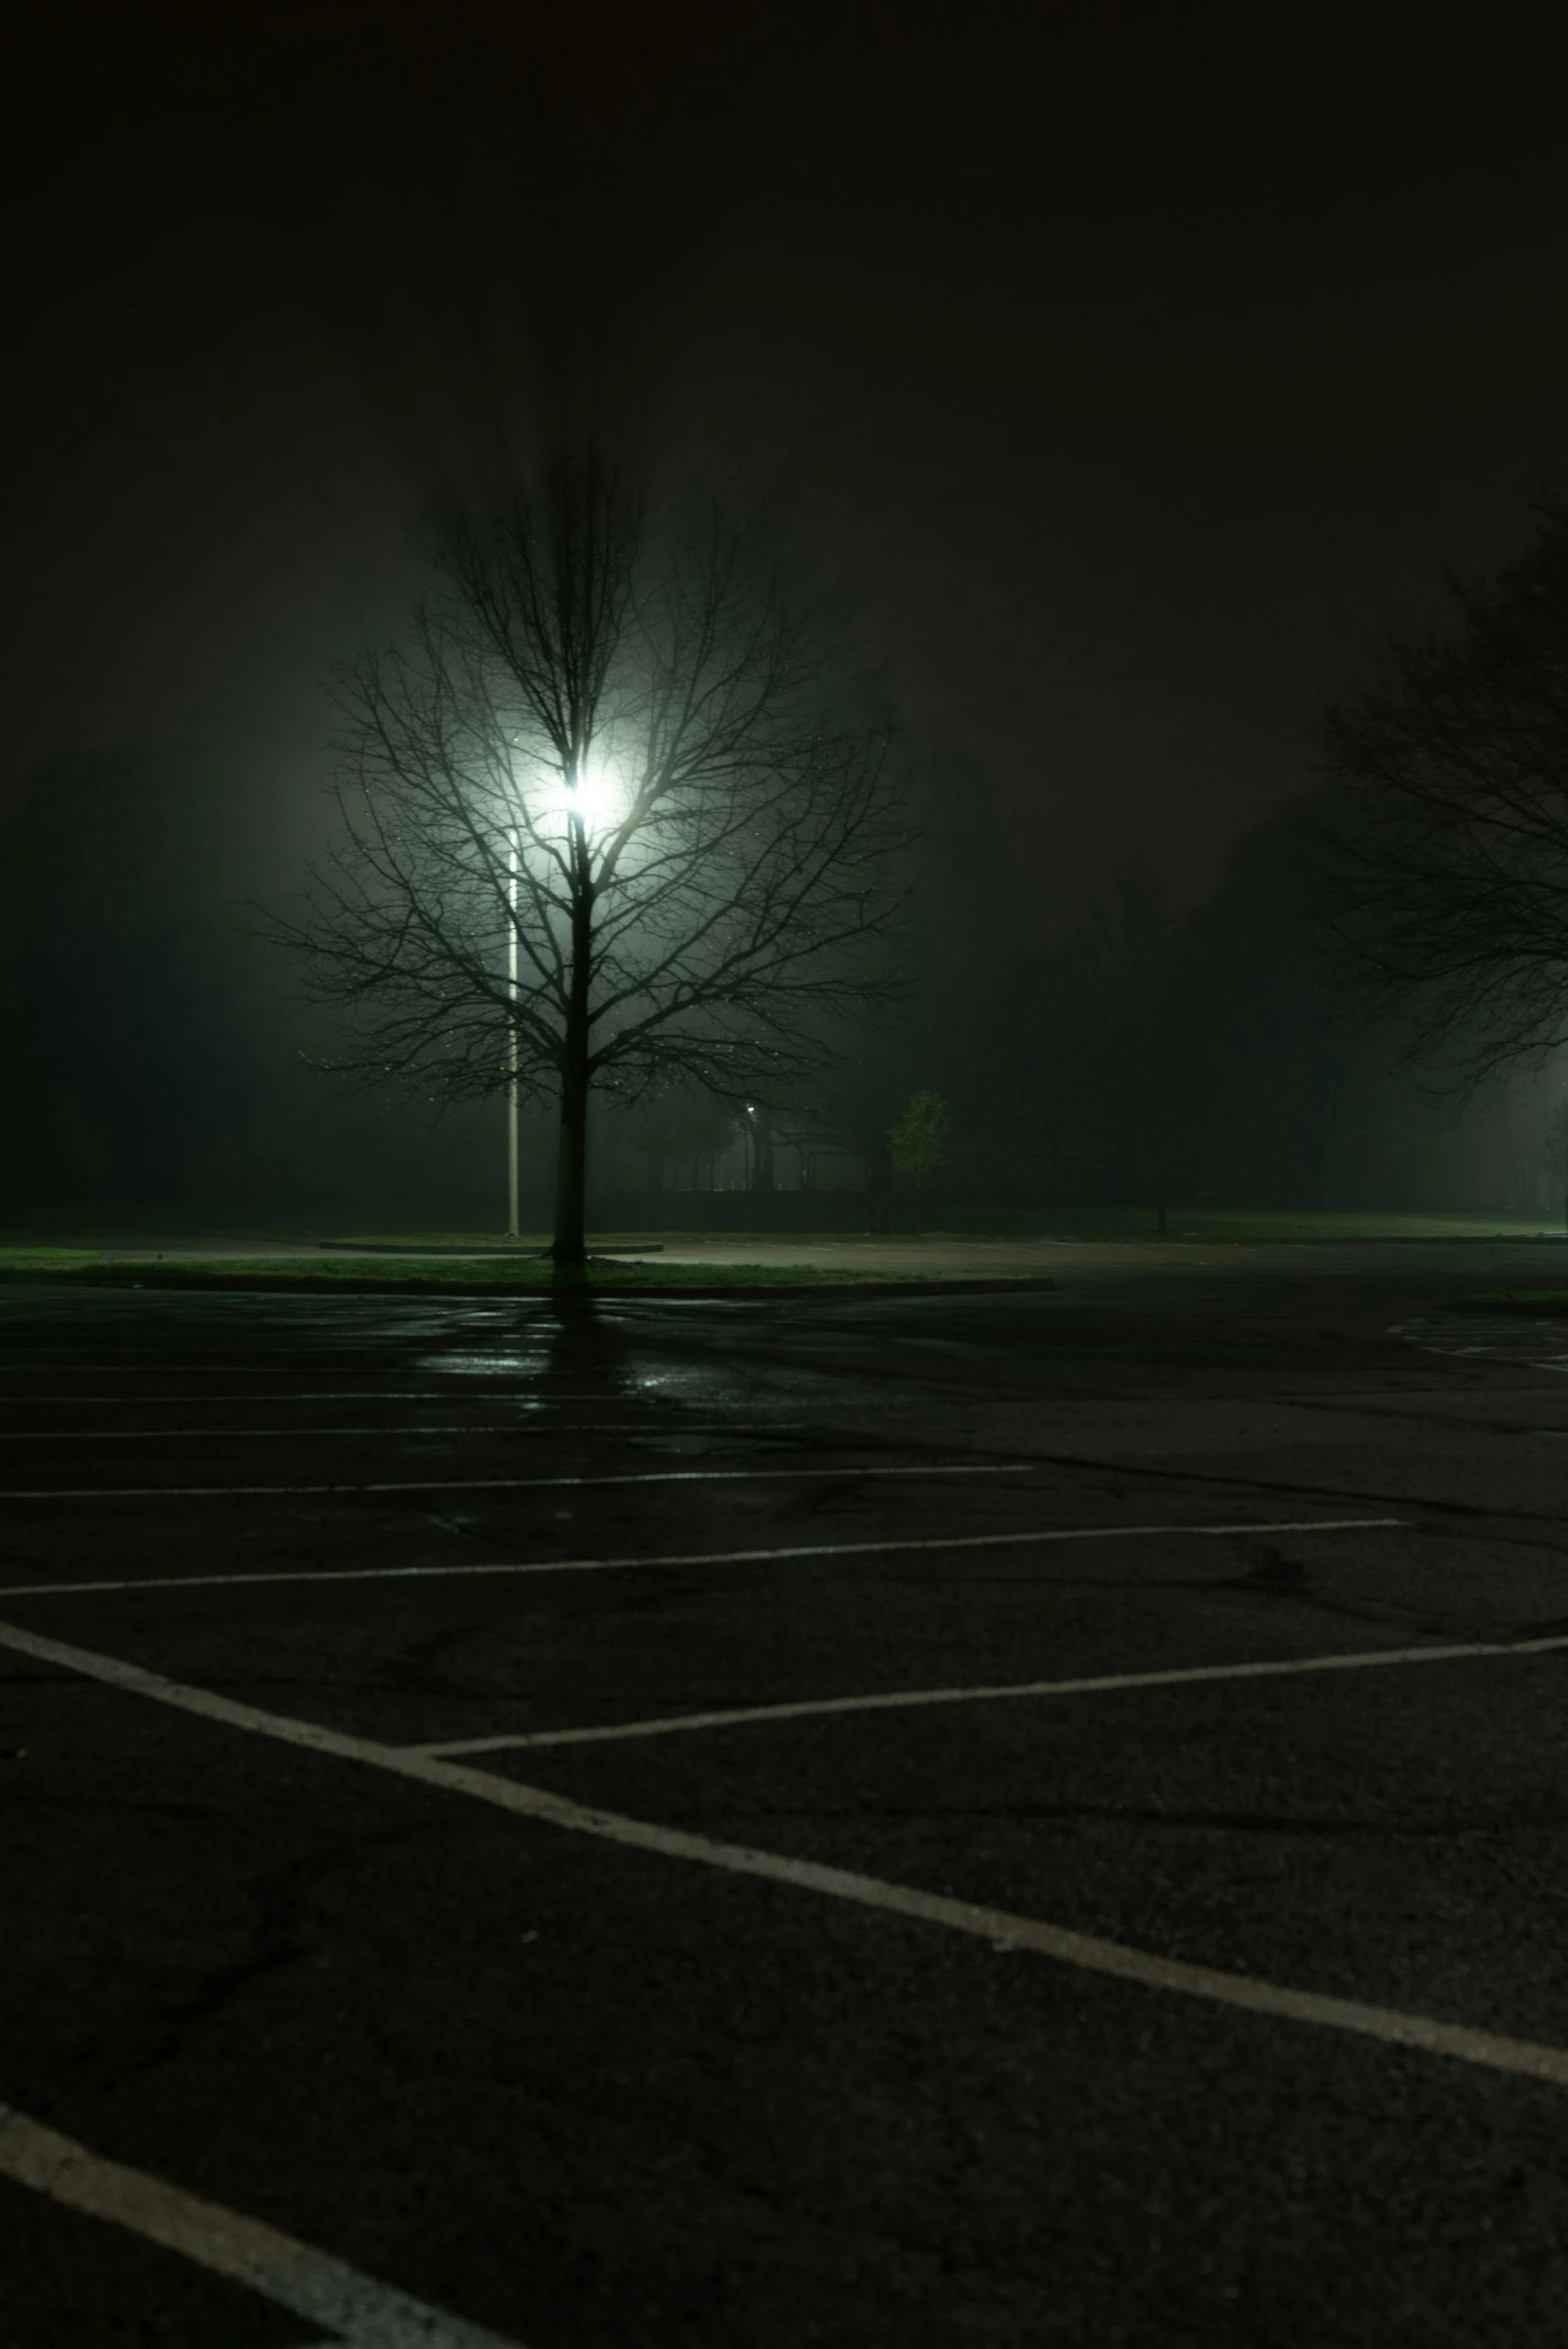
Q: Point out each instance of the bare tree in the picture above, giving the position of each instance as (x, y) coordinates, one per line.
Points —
(609, 816)
(679, 1126)
(1554, 1149)
(918, 1137)
(1452, 909)
(1138, 1030)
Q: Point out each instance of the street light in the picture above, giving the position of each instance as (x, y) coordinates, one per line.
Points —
(512, 1219)
(596, 795)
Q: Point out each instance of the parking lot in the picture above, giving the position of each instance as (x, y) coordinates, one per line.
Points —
(926, 1820)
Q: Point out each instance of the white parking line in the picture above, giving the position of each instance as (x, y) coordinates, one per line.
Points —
(904, 1700)
(464, 1395)
(287, 1435)
(486, 1484)
(952, 1541)
(186, 1365)
(1000, 1927)
(189, 1368)
(22, 1358)
(357, 2310)
(1508, 1341)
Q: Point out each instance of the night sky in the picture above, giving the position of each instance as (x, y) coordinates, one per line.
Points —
(1134, 365)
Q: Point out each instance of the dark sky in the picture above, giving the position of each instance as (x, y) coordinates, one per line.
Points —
(1137, 363)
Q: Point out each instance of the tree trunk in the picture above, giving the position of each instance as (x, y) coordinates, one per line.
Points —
(571, 1194)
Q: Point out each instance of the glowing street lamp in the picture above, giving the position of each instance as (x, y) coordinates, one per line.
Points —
(512, 1218)
(596, 796)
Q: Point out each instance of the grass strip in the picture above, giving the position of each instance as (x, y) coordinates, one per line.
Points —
(1118, 1224)
(412, 1276)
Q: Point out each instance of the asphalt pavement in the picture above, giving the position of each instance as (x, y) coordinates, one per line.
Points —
(933, 1820)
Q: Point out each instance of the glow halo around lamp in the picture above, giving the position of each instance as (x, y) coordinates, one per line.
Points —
(600, 798)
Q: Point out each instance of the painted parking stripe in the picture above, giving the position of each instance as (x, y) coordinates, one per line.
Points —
(26, 1358)
(951, 1541)
(909, 1700)
(356, 2310)
(470, 1399)
(486, 1484)
(28, 1365)
(184, 1366)
(400, 1428)
(1002, 1928)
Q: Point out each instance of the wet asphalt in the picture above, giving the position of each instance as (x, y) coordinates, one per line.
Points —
(580, 2091)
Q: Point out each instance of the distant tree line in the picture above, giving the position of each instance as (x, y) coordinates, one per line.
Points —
(1382, 969)
(1136, 1060)
(1370, 1008)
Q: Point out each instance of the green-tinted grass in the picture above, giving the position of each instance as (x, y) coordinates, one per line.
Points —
(79, 1268)
(1078, 1223)
(52, 1259)
(1262, 1224)
(481, 1242)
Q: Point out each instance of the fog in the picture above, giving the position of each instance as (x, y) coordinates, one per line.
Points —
(1129, 377)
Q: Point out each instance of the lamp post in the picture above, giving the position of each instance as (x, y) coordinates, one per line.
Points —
(512, 1231)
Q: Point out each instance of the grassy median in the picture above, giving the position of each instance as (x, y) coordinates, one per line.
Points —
(409, 1275)
(1255, 1225)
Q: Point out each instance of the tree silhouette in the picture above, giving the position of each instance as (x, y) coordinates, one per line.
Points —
(1453, 901)
(608, 816)
(918, 1138)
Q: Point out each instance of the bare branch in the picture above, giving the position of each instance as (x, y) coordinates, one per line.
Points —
(706, 918)
(1452, 830)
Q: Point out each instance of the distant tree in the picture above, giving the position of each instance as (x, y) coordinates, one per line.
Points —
(1012, 1027)
(1452, 906)
(681, 1126)
(854, 1104)
(1554, 1141)
(1270, 1060)
(1142, 1043)
(609, 817)
(917, 1140)
(1057, 1072)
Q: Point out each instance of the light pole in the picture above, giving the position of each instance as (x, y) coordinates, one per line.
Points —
(512, 1231)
